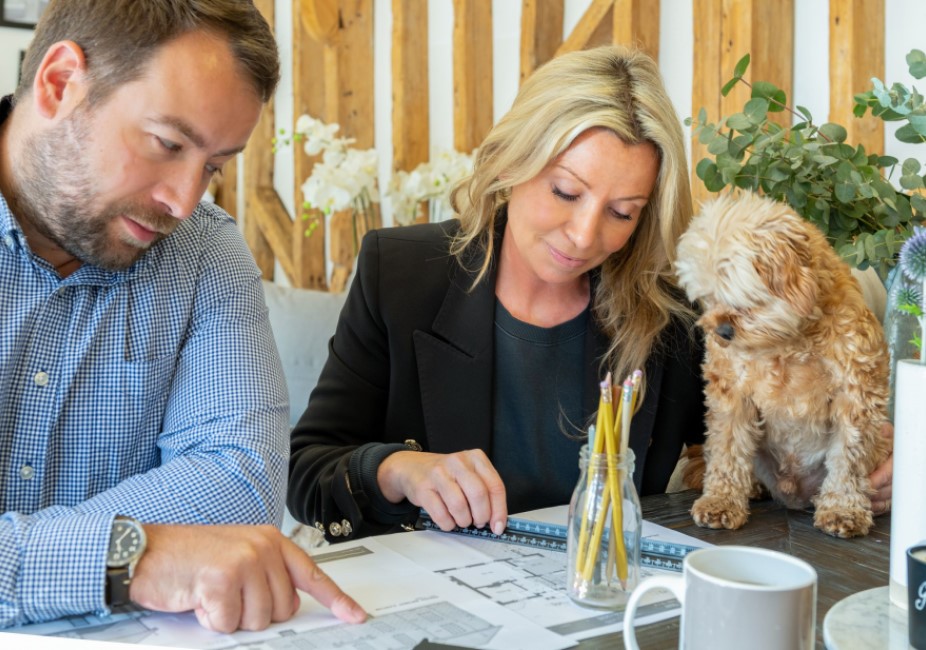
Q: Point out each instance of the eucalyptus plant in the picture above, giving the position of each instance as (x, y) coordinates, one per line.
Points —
(844, 190)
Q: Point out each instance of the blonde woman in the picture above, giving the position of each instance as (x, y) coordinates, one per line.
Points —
(465, 365)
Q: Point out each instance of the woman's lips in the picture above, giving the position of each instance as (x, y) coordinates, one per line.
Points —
(565, 260)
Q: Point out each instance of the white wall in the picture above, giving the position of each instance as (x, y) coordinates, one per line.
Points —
(12, 41)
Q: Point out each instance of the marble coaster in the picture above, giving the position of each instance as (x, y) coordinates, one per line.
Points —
(865, 620)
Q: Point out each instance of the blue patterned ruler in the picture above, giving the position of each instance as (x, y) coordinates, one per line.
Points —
(552, 537)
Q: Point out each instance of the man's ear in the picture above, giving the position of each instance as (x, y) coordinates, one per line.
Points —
(60, 81)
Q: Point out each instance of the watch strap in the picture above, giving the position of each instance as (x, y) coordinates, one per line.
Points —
(118, 582)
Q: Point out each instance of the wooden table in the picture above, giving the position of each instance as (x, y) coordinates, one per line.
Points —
(844, 566)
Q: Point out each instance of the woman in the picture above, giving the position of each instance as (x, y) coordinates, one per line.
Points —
(465, 365)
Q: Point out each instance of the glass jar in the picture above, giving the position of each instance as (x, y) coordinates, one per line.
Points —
(899, 330)
(603, 567)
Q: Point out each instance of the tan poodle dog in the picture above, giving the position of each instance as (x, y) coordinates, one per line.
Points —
(796, 367)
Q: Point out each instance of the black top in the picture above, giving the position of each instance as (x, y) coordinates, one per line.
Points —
(413, 358)
(537, 420)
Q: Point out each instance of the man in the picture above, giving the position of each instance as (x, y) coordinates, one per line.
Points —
(140, 388)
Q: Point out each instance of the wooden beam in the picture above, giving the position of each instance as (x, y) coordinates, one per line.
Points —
(349, 85)
(856, 55)
(410, 115)
(636, 23)
(265, 210)
(593, 28)
(472, 73)
(706, 78)
(724, 31)
(257, 161)
(541, 33)
(308, 266)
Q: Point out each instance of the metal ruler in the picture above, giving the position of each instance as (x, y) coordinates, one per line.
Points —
(655, 554)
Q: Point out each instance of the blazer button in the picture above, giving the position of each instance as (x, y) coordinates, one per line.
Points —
(346, 528)
(335, 529)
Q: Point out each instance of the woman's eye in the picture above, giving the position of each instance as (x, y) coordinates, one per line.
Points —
(621, 216)
(167, 144)
(566, 197)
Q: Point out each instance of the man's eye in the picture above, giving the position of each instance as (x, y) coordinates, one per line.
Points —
(566, 197)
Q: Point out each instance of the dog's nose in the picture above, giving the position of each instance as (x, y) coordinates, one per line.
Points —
(725, 331)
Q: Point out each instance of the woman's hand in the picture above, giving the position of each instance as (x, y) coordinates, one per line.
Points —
(455, 489)
(881, 478)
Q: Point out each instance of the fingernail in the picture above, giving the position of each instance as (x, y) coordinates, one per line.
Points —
(498, 527)
(359, 614)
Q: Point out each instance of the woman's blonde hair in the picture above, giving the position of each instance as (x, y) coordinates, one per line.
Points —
(616, 89)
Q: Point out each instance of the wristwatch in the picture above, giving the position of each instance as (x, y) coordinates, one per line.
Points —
(126, 545)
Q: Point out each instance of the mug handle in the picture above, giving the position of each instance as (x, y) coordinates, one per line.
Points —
(675, 584)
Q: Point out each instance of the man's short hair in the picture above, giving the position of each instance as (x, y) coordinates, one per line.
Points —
(119, 37)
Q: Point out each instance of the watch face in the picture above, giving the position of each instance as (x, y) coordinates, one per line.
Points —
(126, 542)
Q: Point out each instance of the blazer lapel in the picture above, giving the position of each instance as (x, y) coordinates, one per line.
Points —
(455, 367)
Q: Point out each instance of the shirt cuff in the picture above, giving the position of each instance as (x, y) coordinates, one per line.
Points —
(362, 469)
(63, 569)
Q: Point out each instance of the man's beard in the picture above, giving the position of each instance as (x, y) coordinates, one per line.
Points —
(54, 190)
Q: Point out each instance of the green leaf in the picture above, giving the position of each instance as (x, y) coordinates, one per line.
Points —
(911, 166)
(804, 113)
(718, 146)
(918, 203)
(707, 171)
(756, 110)
(739, 121)
(909, 133)
(775, 96)
(740, 69)
(911, 182)
(738, 145)
(845, 191)
(727, 87)
(834, 132)
(916, 59)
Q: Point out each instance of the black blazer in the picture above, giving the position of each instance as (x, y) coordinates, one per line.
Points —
(412, 358)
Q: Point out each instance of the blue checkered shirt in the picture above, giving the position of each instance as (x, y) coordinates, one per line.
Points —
(154, 392)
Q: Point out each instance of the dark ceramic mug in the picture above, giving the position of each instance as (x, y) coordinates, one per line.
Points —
(916, 590)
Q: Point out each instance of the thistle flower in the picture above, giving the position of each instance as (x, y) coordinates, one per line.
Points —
(913, 256)
(913, 265)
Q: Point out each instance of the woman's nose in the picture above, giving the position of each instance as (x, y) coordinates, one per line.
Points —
(582, 228)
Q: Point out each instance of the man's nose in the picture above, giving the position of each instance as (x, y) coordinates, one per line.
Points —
(181, 191)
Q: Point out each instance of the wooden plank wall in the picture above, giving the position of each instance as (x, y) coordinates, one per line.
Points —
(333, 80)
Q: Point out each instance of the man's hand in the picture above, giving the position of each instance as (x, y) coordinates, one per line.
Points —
(232, 577)
(456, 489)
(881, 478)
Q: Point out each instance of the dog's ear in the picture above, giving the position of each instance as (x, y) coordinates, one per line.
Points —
(786, 268)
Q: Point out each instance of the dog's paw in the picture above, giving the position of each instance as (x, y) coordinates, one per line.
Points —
(711, 511)
(843, 522)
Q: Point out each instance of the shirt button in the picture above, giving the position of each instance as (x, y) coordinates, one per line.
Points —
(8, 240)
(26, 472)
(41, 378)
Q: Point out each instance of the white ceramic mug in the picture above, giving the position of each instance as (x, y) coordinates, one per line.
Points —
(736, 597)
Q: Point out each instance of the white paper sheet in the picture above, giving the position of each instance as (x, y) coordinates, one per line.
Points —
(407, 603)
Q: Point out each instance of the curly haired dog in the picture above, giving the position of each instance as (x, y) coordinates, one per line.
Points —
(796, 367)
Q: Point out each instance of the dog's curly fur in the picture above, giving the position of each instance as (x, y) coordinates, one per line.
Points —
(796, 367)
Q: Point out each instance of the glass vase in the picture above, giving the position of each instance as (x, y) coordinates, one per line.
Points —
(899, 330)
(603, 538)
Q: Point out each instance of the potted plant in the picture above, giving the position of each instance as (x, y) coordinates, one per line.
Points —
(845, 191)
(842, 189)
